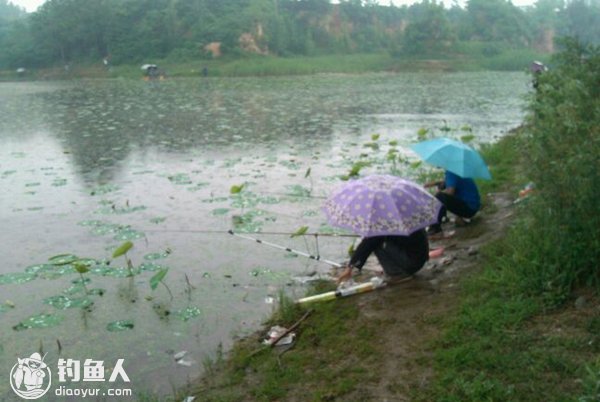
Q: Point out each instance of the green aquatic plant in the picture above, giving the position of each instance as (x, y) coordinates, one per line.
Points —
(307, 175)
(467, 138)
(63, 259)
(238, 200)
(236, 189)
(187, 313)
(297, 190)
(112, 209)
(49, 271)
(120, 232)
(39, 321)
(122, 251)
(188, 287)
(159, 278)
(422, 133)
(355, 170)
(373, 145)
(158, 219)
(351, 249)
(220, 211)
(104, 189)
(252, 221)
(121, 325)
(300, 232)
(392, 156)
(180, 179)
(162, 310)
(59, 182)
(7, 305)
(158, 256)
(82, 268)
(445, 128)
(17, 277)
(62, 302)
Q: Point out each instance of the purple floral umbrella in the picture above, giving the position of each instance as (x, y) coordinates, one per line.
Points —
(379, 205)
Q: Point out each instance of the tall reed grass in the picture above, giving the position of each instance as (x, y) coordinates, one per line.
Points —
(563, 148)
(555, 246)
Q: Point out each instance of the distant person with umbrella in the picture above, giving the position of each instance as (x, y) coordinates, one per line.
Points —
(391, 214)
(537, 68)
(458, 192)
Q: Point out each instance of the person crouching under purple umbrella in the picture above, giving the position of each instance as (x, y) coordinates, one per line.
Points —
(458, 195)
(399, 256)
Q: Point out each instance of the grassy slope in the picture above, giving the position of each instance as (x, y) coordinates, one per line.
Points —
(503, 345)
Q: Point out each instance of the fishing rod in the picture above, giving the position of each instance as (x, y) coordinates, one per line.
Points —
(373, 284)
(290, 250)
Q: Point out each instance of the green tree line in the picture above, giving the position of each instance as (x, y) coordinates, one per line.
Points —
(132, 31)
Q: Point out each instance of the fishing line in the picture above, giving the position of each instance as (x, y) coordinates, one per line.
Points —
(320, 197)
(288, 249)
(208, 231)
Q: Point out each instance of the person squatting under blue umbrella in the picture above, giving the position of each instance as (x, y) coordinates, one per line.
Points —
(457, 192)
(458, 195)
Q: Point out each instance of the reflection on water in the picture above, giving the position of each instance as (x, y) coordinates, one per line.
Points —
(85, 165)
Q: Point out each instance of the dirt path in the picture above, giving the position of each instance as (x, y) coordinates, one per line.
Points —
(409, 310)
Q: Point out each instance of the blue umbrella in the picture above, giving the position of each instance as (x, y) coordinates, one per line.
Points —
(455, 156)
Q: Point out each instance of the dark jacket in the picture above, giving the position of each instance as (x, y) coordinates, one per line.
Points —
(398, 255)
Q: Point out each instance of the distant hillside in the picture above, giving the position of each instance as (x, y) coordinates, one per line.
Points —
(125, 32)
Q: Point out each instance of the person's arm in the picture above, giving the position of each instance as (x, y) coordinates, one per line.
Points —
(433, 183)
(449, 190)
(451, 181)
(359, 258)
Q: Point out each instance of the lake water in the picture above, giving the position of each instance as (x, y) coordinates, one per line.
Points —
(87, 165)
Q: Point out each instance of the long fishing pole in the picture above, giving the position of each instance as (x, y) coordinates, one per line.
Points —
(290, 250)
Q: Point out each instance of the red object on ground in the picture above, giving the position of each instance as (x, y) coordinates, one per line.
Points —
(436, 253)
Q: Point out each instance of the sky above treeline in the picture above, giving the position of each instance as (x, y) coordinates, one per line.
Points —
(32, 5)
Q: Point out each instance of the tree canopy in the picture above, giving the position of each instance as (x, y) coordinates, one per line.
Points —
(131, 31)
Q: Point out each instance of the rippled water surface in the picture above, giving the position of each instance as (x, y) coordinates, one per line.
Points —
(87, 165)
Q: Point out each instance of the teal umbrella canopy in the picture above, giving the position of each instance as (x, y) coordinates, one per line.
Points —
(455, 156)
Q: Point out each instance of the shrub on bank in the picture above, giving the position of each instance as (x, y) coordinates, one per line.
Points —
(563, 151)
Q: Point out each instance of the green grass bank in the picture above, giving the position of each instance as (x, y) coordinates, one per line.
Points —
(254, 65)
